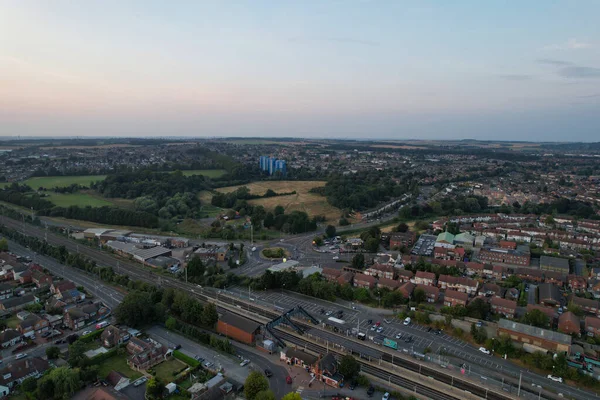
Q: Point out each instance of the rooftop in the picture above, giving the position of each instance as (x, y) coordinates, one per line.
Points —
(535, 331)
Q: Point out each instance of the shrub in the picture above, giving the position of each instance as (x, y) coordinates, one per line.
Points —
(186, 359)
(91, 336)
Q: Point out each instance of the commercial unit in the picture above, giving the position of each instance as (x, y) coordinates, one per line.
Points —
(534, 338)
(521, 256)
(239, 328)
(554, 264)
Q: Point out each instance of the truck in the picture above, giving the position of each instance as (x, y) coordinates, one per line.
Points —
(390, 343)
(101, 325)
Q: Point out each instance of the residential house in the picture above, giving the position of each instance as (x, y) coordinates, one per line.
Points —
(32, 325)
(6, 291)
(569, 323)
(364, 281)
(117, 380)
(407, 289)
(298, 358)
(58, 288)
(549, 311)
(498, 272)
(554, 277)
(453, 298)
(331, 274)
(432, 293)
(71, 296)
(76, 317)
(17, 371)
(587, 305)
(461, 284)
(554, 264)
(54, 303)
(18, 303)
(549, 294)
(390, 284)
(9, 337)
(40, 278)
(17, 270)
(530, 275)
(488, 271)
(424, 278)
(490, 290)
(144, 355)
(512, 294)
(577, 283)
(506, 244)
(404, 275)
(326, 370)
(381, 271)
(113, 336)
(592, 325)
(505, 307)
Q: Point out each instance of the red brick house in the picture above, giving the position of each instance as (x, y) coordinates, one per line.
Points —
(549, 311)
(474, 268)
(498, 271)
(592, 325)
(402, 239)
(364, 281)
(390, 284)
(40, 279)
(407, 289)
(331, 274)
(424, 278)
(432, 293)
(144, 355)
(569, 323)
(587, 305)
(554, 277)
(32, 325)
(508, 308)
(404, 275)
(577, 283)
(113, 336)
(506, 244)
(58, 288)
(453, 298)
(460, 284)
(381, 271)
(490, 290)
(531, 275)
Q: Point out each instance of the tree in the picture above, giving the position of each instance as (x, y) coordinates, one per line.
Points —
(549, 220)
(45, 388)
(330, 231)
(419, 295)
(402, 227)
(265, 395)
(52, 352)
(358, 261)
(66, 381)
(279, 210)
(536, 318)
(209, 315)
(292, 396)
(3, 244)
(29, 384)
(372, 245)
(349, 367)
(254, 384)
(77, 357)
(154, 389)
(171, 323)
(136, 309)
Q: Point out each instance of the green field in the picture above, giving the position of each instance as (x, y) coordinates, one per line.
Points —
(77, 199)
(164, 370)
(50, 182)
(210, 173)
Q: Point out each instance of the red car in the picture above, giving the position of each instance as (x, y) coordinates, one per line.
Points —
(378, 323)
(288, 380)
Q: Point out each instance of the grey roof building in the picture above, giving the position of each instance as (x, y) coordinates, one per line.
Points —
(554, 264)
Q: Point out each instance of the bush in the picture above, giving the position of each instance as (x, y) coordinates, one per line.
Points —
(186, 359)
(99, 359)
(273, 252)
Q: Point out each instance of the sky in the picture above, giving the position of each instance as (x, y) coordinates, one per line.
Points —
(490, 70)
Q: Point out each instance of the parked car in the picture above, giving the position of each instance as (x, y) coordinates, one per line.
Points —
(207, 364)
(398, 335)
(86, 333)
(380, 329)
(374, 327)
(46, 334)
(140, 381)
(386, 396)
(268, 373)
(408, 339)
(288, 380)
(370, 391)
(555, 378)
(353, 385)
(484, 351)
(244, 363)
(23, 355)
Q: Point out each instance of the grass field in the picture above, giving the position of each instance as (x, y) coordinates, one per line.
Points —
(313, 204)
(12, 322)
(50, 182)
(119, 364)
(164, 370)
(210, 173)
(77, 199)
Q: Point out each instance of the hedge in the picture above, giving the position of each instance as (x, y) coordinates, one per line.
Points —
(104, 356)
(186, 359)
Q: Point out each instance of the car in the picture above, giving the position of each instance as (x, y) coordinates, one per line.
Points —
(386, 396)
(207, 364)
(485, 351)
(479, 324)
(336, 257)
(429, 329)
(244, 363)
(398, 335)
(374, 327)
(377, 323)
(176, 347)
(353, 385)
(140, 381)
(46, 334)
(268, 373)
(322, 311)
(199, 359)
(328, 313)
(437, 332)
(555, 378)
(370, 391)
(59, 341)
(288, 380)
(20, 355)
(407, 321)
(369, 322)
(86, 333)
(408, 339)
(380, 329)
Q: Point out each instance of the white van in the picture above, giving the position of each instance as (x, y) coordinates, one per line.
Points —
(407, 321)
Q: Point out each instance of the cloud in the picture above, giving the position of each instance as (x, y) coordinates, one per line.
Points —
(579, 72)
(571, 44)
(515, 77)
(589, 96)
(346, 40)
(549, 61)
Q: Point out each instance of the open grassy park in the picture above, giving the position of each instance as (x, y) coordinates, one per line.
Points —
(77, 199)
(50, 182)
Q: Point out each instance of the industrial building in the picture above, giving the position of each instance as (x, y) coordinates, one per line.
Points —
(238, 328)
